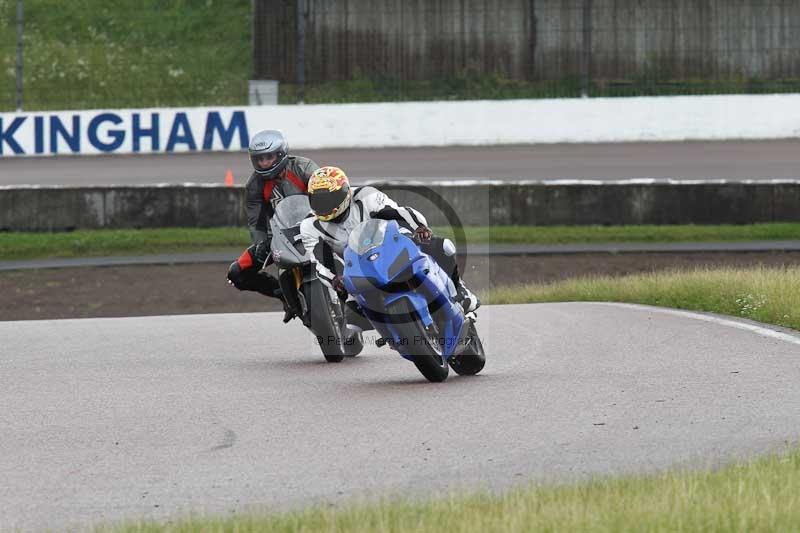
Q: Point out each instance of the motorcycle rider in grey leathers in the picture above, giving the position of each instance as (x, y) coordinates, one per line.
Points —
(276, 175)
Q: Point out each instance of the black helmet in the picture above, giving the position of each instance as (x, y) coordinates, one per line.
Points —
(270, 143)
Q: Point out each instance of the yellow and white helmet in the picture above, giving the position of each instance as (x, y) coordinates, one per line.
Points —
(329, 193)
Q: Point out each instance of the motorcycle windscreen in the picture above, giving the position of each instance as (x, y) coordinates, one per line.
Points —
(292, 210)
(368, 235)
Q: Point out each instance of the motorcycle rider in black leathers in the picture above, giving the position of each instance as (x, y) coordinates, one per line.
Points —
(338, 209)
(276, 175)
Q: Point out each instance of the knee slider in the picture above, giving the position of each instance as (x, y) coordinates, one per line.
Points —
(235, 275)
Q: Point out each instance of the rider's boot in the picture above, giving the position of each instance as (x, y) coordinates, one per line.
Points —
(269, 285)
(468, 300)
(288, 312)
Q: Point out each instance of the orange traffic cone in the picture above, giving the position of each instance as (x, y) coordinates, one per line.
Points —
(229, 178)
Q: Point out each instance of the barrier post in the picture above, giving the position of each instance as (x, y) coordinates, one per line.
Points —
(19, 54)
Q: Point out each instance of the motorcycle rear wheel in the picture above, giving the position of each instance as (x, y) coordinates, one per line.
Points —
(473, 358)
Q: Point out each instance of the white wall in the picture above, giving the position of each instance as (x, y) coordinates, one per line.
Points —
(407, 124)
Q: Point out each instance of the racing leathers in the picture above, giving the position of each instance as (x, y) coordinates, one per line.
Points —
(261, 197)
(323, 239)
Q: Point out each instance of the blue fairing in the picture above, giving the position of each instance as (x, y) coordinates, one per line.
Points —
(383, 266)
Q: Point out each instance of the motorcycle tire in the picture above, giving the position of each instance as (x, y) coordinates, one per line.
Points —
(419, 342)
(473, 358)
(321, 319)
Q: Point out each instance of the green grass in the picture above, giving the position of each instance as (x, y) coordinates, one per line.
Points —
(18, 246)
(616, 234)
(760, 495)
(470, 86)
(130, 53)
(769, 295)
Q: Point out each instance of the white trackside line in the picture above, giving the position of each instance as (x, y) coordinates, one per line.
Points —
(759, 330)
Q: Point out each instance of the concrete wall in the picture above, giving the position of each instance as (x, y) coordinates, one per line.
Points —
(522, 203)
(529, 39)
(67, 208)
(625, 202)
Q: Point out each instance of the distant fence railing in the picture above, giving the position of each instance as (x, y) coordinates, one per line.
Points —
(515, 48)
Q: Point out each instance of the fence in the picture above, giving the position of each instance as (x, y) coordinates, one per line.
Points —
(403, 49)
(152, 53)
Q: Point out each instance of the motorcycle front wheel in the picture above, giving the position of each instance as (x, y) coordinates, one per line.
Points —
(323, 319)
(418, 341)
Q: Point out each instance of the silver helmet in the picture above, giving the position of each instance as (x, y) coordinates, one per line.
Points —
(273, 145)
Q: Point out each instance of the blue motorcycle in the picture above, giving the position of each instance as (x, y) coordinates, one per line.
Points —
(410, 301)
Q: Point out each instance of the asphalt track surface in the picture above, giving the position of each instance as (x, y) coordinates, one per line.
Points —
(733, 160)
(113, 419)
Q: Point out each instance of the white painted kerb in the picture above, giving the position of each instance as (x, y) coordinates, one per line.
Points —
(753, 328)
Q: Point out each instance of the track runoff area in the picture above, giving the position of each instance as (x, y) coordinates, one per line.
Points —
(569, 398)
(732, 160)
(159, 417)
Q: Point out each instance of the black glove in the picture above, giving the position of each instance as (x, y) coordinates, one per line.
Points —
(261, 253)
(338, 284)
(422, 234)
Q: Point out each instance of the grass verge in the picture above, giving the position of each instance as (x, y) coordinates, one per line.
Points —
(127, 54)
(616, 234)
(770, 295)
(472, 86)
(84, 243)
(19, 246)
(760, 495)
